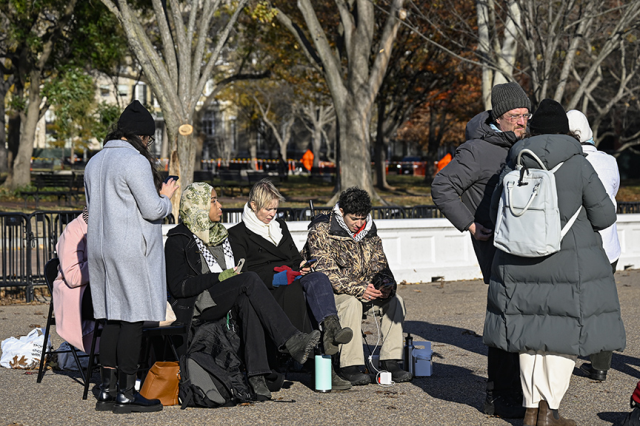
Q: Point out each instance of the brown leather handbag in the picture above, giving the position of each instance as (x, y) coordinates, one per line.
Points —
(162, 382)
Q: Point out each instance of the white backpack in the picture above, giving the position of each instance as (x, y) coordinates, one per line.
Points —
(528, 223)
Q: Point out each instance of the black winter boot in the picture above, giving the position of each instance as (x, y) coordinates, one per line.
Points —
(108, 389)
(130, 401)
(301, 345)
(337, 382)
(260, 388)
(355, 376)
(398, 375)
(333, 335)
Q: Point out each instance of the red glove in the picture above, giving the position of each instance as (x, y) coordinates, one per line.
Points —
(291, 274)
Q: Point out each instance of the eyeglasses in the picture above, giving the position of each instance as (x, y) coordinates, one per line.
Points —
(516, 118)
(151, 141)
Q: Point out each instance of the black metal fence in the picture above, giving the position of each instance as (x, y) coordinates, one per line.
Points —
(29, 240)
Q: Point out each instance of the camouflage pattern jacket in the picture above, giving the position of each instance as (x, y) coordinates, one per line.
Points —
(350, 265)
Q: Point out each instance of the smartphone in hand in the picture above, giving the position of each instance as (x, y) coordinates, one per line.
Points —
(309, 263)
(239, 266)
(174, 177)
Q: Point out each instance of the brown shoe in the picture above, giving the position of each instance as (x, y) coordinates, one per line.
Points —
(549, 417)
(530, 417)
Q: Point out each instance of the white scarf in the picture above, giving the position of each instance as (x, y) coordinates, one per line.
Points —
(340, 219)
(270, 232)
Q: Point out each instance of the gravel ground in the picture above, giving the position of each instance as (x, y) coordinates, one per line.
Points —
(449, 314)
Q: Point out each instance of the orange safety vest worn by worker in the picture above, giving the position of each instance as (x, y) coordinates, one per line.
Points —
(443, 162)
(307, 160)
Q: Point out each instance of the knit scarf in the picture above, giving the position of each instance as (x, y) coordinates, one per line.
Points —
(360, 235)
(270, 232)
(195, 204)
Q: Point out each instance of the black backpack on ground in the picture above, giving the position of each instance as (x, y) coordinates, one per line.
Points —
(210, 373)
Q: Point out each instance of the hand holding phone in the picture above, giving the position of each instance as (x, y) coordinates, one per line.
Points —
(174, 177)
(308, 263)
(239, 266)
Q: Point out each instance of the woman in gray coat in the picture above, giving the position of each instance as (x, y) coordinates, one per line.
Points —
(552, 309)
(127, 201)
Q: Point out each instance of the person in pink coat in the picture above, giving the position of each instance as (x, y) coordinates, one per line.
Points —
(71, 294)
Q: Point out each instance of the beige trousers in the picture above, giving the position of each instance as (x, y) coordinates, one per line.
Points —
(545, 376)
(350, 311)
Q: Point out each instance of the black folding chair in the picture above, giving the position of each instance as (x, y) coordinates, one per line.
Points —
(50, 274)
(166, 332)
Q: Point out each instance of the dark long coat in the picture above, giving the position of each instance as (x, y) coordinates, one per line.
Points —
(261, 256)
(463, 189)
(566, 302)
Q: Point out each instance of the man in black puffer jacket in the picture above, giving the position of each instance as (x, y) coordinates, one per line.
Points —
(462, 191)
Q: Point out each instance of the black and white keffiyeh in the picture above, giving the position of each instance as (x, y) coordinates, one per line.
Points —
(212, 263)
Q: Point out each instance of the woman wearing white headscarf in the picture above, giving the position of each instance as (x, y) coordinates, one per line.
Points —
(606, 167)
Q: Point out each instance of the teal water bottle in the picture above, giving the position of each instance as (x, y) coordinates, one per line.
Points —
(323, 373)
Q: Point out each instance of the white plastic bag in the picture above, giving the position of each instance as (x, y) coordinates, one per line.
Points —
(24, 352)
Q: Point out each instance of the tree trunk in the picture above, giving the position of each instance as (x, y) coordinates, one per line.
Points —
(483, 49)
(355, 157)
(20, 174)
(13, 139)
(316, 144)
(181, 163)
(381, 148)
(4, 165)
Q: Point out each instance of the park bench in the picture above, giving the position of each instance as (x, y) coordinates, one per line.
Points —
(230, 180)
(54, 184)
(325, 174)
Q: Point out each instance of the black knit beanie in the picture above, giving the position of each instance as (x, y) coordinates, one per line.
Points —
(549, 119)
(508, 96)
(136, 119)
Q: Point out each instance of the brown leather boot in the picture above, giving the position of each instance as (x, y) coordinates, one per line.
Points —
(549, 417)
(530, 417)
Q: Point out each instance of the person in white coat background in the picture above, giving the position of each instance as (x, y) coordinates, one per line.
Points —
(127, 201)
(606, 167)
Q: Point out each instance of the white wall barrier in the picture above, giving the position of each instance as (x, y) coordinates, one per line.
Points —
(432, 249)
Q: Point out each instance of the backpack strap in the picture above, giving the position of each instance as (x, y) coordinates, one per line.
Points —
(534, 193)
(533, 154)
(569, 224)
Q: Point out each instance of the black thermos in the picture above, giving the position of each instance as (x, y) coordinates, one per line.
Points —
(408, 353)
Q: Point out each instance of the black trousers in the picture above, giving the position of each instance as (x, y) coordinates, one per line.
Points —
(120, 345)
(602, 360)
(503, 371)
(257, 312)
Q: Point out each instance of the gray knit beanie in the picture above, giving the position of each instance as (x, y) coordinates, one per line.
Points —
(508, 96)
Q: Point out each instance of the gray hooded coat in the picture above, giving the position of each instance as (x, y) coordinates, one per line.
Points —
(566, 302)
(124, 236)
(462, 190)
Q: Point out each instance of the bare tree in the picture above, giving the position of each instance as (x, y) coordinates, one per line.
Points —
(280, 125)
(178, 69)
(316, 118)
(582, 53)
(497, 45)
(351, 73)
